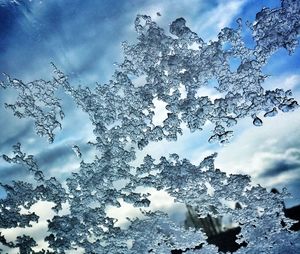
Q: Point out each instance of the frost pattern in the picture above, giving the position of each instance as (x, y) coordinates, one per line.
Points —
(37, 100)
(122, 115)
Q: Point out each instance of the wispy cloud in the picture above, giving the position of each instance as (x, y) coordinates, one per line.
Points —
(268, 153)
(210, 24)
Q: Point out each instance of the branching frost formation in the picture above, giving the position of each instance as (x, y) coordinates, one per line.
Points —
(122, 115)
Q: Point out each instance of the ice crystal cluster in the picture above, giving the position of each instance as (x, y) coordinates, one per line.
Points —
(122, 114)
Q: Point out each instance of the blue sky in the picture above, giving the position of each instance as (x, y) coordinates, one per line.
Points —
(83, 38)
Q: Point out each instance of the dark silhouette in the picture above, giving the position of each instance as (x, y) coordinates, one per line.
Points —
(224, 239)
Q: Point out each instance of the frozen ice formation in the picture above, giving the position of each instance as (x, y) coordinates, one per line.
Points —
(37, 100)
(122, 116)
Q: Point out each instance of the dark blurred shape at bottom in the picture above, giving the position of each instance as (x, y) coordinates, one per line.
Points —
(225, 240)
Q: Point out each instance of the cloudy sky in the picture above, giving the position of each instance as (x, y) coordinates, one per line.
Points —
(83, 38)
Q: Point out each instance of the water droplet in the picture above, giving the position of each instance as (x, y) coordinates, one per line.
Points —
(257, 121)
(271, 113)
(289, 107)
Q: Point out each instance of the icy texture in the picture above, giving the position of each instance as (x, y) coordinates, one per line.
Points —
(122, 115)
(37, 100)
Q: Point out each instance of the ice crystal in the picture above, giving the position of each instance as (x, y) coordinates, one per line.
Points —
(76, 150)
(37, 100)
(122, 115)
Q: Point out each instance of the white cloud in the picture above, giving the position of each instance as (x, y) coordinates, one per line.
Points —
(217, 18)
(255, 146)
(159, 200)
(204, 18)
(286, 81)
(160, 112)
